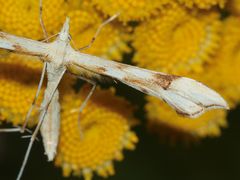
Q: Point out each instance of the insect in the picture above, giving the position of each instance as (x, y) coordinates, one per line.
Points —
(187, 96)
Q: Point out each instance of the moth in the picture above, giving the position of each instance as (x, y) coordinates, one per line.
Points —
(188, 97)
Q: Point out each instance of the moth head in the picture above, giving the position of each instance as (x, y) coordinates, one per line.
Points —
(64, 33)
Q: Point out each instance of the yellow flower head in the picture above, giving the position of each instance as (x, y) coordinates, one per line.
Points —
(223, 73)
(103, 133)
(25, 61)
(19, 78)
(22, 17)
(178, 41)
(18, 85)
(130, 9)
(203, 4)
(168, 123)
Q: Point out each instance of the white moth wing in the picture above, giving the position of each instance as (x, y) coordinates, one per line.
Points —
(197, 92)
(187, 96)
(23, 45)
(183, 105)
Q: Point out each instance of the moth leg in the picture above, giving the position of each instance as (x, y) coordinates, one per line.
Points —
(28, 136)
(41, 20)
(98, 31)
(84, 103)
(16, 129)
(43, 70)
(50, 37)
(41, 120)
(45, 34)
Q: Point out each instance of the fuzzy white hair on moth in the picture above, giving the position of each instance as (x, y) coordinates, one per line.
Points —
(187, 96)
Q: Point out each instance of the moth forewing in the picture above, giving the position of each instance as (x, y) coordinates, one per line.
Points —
(23, 45)
(187, 96)
(195, 97)
(198, 93)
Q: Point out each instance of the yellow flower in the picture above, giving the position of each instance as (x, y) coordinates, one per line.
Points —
(166, 122)
(178, 41)
(104, 132)
(19, 78)
(184, 43)
(130, 9)
(203, 4)
(223, 73)
(111, 42)
(22, 17)
(18, 85)
(26, 62)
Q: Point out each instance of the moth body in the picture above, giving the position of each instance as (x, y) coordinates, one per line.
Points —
(51, 124)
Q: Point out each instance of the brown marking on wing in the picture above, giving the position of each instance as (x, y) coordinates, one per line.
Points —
(209, 106)
(139, 83)
(134, 81)
(2, 35)
(144, 90)
(164, 80)
(46, 57)
(186, 114)
(77, 70)
(22, 50)
(120, 66)
(101, 70)
(18, 48)
(212, 105)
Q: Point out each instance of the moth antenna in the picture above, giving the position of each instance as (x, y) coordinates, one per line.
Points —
(45, 35)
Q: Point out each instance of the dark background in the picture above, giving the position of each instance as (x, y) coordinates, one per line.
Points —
(212, 159)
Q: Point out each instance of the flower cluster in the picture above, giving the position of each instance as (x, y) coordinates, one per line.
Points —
(103, 133)
(193, 38)
(17, 88)
(202, 44)
(177, 41)
(203, 4)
